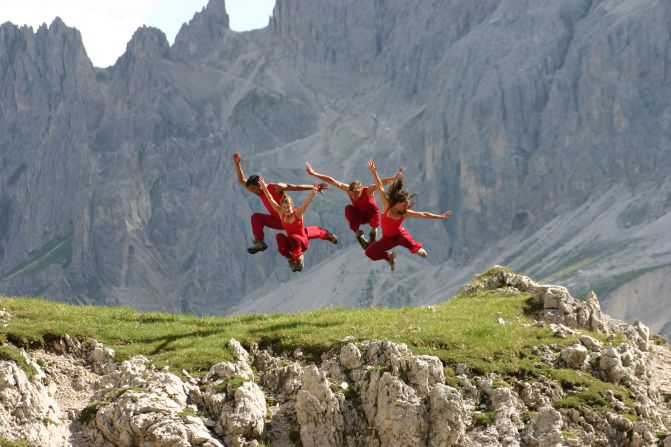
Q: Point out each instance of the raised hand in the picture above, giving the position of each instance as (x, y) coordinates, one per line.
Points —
(446, 214)
(399, 174)
(308, 168)
(321, 187)
(262, 183)
(371, 166)
(236, 158)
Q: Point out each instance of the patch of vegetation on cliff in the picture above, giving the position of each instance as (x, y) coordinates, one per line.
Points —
(4, 442)
(12, 354)
(56, 251)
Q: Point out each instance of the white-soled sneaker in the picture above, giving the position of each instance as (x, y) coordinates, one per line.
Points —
(422, 253)
(300, 263)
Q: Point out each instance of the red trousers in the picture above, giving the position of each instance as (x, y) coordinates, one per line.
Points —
(293, 245)
(380, 249)
(357, 218)
(260, 220)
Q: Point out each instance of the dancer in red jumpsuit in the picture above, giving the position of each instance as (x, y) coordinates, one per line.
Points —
(271, 220)
(296, 241)
(396, 207)
(364, 209)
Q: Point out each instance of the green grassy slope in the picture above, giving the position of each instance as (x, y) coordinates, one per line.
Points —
(464, 330)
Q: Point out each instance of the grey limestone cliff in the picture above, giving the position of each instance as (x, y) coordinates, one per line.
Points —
(545, 126)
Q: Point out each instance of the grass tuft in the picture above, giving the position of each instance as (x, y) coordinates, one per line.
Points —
(12, 354)
(4, 442)
(484, 419)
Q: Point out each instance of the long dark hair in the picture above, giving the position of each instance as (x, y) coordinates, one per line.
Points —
(397, 194)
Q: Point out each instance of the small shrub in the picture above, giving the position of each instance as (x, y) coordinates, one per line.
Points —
(220, 387)
(485, 419)
(187, 411)
(498, 383)
(527, 416)
(90, 411)
(116, 393)
(659, 340)
(350, 393)
(47, 422)
(295, 437)
(235, 383)
(4, 442)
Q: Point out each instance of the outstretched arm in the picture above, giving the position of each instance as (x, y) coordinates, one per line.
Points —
(238, 168)
(328, 179)
(386, 181)
(271, 200)
(308, 199)
(291, 187)
(427, 215)
(378, 184)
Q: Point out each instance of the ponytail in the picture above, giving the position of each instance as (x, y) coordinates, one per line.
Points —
(397, 194)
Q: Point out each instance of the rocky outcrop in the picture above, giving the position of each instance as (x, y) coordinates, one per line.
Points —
(553, 305)
(27, 409)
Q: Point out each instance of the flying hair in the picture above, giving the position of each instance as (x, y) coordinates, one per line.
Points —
(397, 194)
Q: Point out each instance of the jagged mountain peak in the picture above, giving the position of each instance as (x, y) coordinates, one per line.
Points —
(203, 31)
(148, 41)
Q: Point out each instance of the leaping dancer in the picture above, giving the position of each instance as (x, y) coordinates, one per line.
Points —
(364, 209)
(295, 242)
(396, 207)
(272, 220)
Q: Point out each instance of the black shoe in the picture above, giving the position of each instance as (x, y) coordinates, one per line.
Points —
(373, 235)
(392, 261)
(332, 238)
(256, 247)
(362, 240)
(292, 265)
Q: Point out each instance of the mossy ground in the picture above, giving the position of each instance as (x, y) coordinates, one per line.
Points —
(4, 442)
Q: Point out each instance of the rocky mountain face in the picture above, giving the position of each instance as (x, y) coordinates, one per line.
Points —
(545, 127)
(372, 393)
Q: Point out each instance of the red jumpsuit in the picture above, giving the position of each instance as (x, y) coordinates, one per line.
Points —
(272, 220)
(393, 234)
(296, 241)
(363, 210)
